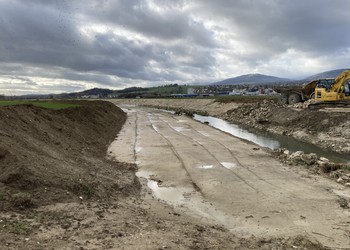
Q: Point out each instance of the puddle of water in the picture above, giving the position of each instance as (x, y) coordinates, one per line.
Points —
(155, 127)
(206, 166)
(228, 165)
(176, 197)
(168, 194)
(128, 110)
(138, 149)
(171, 195)
(167, 111)
(179, 129)
(204, 134)
(269, 140)
(143, 174)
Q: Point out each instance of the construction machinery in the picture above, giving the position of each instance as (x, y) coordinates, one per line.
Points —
(336, 95)
(294, 94)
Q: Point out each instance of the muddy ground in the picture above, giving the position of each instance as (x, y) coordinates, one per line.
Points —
(58, 190)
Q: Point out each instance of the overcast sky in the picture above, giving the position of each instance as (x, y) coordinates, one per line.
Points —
(55, 46)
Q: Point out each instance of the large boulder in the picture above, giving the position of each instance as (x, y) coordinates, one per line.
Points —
(296, 156)
(309, 159)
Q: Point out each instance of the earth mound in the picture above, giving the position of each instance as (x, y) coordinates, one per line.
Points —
(59, 155)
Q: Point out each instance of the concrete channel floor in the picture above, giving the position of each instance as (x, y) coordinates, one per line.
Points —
(224, 180)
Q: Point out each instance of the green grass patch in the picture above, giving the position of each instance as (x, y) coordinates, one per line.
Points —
(42, 104)
(86, 190)
(17, 227)
(244, 99)
(2, 196)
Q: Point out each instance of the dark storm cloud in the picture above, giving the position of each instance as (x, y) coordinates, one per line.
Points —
(314, 26)
(111, 42)
(167, 24)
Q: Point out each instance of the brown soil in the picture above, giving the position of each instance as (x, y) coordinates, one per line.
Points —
(58, 190)
(49, 156)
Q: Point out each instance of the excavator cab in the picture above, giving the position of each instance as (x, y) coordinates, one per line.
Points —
(325, 83)
(347, 89)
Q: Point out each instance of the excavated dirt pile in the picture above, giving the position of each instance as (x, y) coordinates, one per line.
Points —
(56, 155)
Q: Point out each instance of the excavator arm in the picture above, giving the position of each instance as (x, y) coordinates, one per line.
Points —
(338, 92)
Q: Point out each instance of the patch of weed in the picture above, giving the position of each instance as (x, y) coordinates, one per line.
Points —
(2, 196)
(18, 227)
(22, 201)
(86, 190)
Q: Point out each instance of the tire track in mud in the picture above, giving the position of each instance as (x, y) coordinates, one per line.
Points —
(232, 154)
(177, 155)
(212, 155)
(136, 136)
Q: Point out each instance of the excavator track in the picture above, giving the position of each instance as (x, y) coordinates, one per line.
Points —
(321, 105)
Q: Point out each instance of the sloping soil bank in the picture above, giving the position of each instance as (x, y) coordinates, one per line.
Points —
(48, 156)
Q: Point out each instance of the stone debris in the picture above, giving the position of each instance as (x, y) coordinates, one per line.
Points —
(337, 171)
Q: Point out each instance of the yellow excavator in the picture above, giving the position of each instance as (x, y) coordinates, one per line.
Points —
(336, 95)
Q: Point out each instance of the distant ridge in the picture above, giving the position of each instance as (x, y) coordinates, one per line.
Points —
(326, 74)
(251, 79)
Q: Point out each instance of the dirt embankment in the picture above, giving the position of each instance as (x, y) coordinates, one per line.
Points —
(328, 129)
(48, 156)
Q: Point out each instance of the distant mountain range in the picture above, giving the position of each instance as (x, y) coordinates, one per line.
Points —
(251, 79)
(327, 74)
(266, 79)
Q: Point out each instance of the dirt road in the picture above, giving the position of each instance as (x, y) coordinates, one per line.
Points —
(222, 179)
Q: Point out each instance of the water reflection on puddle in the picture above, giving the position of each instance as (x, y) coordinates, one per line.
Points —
(206, 167)
(228, 165)
(179, 197)
(138, 149)
(171, 195)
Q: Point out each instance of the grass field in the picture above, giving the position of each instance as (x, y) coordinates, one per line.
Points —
(48, 105)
